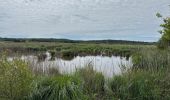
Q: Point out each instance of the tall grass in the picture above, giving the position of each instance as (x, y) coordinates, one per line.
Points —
(93, 82)
(149, 79)
(140, 85)
(57, 88)
(151, 59)
(73, 49)
(15, 79)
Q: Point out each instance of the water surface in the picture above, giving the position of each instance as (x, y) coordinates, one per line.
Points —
(107, 65)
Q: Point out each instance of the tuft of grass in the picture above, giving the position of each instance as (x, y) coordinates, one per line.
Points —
(139, 85)
(93, 82)
(57, 88)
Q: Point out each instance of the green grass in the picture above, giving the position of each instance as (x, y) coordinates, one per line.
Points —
(140, 85)
(57, 88)
(149, 79)
(93, 82)
(151, 59)
(72, 49)
(15, 79)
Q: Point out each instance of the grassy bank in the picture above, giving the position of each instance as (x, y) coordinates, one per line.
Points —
(149, 79)
(69, 50)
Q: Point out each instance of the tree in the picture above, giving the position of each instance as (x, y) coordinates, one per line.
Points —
(164, 41)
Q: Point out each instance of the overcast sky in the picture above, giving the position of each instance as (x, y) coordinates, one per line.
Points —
(82, 19)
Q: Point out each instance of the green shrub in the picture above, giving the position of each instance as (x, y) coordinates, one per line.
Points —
(68, 54)
(53, 54)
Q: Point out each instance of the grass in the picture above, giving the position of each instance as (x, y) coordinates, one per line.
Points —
(15, 79)
(93, 82)
(139, 85)
(57, 88)
(149, 78)
(72, 49)
(153, 59)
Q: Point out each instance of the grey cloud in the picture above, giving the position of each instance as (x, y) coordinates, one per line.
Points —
(97, 19)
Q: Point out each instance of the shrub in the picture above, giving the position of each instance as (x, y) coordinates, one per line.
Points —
(53, 54)
(68, 54)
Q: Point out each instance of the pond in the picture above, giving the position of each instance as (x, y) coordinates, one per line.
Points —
(109, 66)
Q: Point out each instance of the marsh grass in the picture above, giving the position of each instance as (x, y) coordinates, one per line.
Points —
(93, 82)
(151, 59)
(15, 79)
(57, 88)
(148, 79)
(73, 49)
(138, 85)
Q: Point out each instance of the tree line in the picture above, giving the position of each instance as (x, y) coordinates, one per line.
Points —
(74, 41)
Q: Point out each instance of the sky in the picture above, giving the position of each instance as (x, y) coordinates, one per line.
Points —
(82, 19)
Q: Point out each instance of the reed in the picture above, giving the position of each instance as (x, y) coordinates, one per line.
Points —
(57, 88)
(93, 82)
(15, 79)
(148, 79)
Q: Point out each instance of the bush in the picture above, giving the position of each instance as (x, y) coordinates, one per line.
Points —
(53, 54)
(68, 54)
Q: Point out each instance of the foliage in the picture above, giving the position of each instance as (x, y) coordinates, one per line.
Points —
(149, 78)
(53, 54)
(93, 82)
(18, 40)
(57, 88)
(139, 85)
(15, 79)
(68, 54)
(164, 42)
(151, 59)
(72, 49)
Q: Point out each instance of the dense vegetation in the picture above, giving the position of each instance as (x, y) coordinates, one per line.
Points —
(73, 41)
(69, 50)
(148, 79)
(164, 41)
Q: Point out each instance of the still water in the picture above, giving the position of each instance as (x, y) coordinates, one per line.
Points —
(107, 65)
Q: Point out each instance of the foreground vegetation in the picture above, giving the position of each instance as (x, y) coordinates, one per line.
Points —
(148, 79)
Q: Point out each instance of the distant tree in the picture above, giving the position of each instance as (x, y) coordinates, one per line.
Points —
(164, 41)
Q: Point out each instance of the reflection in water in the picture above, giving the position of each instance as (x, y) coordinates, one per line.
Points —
(107, 65)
